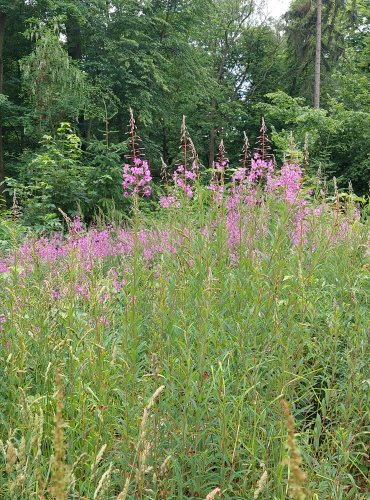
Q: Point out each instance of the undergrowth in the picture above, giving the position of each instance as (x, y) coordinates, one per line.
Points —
(215, 347)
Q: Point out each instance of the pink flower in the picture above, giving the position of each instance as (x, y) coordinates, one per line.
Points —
(3, 267)
(288, 182)
(136, 178)
(168, 202)
(104, 297)
(221, 165)
(103, 321)
(118, 284)
(301, 225)
(2, 321)
(76, 224)
(183, 178)
(190, 175)
(82, 291)
(259, 170)
(239, 175)
(217, 189)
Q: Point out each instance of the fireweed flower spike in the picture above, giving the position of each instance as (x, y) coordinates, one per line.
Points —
(136, 178)
(136, 172)
(168, 202)
(185, 174)
(183, 178)
(218, 172)
(260, 169)
(2, 321)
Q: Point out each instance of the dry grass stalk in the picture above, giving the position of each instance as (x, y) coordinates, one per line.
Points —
(79, 460)
(97, 460)
(10, 457)
(2, 448)
(261, 483)
(245, 151)
(143, 444)
(164, 171)
(21, 465)
(297, 477)
(40, 485)
(15, 206)
(213, 493)
(37, 434)
(143, 426)
(71, 229)
(22, 457)
(143, 458)
(163, 467)
(155, 396)
(144, 419)
(23, 405)
(123, 494)
(59, 479)
(103, 483)
(195, 156)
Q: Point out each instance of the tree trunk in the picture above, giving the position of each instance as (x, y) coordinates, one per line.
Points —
(165, 153)
(212, 135)
(2, 170)
(74, 39)
(318, 55)
(212, 146)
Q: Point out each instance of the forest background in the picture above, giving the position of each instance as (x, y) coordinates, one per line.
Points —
(71, 69)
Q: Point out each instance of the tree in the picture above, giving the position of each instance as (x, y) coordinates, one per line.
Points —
(6, 10)
(337, 137)
(2, 34)
(55, 87)
(229, 20)
(318, 55)
(213, 61)
(309, 26)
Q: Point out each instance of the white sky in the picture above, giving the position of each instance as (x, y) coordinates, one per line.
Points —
(277, 8)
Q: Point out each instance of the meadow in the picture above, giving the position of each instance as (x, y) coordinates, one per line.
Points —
(215, 346)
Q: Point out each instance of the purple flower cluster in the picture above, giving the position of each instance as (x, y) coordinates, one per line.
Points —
(88, 248)
(260, 169)
(217, 189)
(136, 178)
(288, 182)
(184, 178)
(246, 222)
(221, 165)
(2, 321)
(169, 202)
(239, 176)
(301, 225)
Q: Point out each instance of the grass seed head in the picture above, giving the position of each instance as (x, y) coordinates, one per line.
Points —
(261, 483)
(103, 483)
(297, 476)
(123, 494)
(59, 474)
(11, 456)
(214, 493)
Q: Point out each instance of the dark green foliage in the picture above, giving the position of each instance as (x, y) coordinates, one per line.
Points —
(52, 178)
(214, 61)
(337, 137)
(53, 86)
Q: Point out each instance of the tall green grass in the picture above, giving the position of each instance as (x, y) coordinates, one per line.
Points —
(173, 386)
